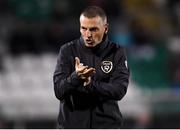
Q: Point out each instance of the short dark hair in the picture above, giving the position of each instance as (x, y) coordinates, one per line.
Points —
(93, 11)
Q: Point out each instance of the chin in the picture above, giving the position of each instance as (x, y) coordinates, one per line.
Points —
(89, 46)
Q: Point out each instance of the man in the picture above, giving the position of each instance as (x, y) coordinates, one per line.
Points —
(91, 75)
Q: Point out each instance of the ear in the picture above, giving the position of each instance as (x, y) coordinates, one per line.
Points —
(106, 28)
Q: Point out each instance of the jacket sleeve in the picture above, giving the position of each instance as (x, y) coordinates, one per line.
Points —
(64, 79)
(116, 88)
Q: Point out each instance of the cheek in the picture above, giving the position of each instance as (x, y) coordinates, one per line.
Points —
(82, 33)
(98, 36)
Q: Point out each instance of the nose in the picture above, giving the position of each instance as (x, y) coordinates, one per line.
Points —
(88, 33)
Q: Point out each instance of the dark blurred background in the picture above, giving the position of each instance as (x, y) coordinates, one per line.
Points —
(32, 32)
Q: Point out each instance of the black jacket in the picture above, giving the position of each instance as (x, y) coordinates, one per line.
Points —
(95, 106)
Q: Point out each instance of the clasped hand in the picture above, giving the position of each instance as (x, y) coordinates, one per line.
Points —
(83, 71)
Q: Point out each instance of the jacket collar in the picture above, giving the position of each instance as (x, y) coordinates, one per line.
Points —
(97, 49)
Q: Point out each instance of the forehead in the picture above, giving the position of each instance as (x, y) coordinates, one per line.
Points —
(95, 21)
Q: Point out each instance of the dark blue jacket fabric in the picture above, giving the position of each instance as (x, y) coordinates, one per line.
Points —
(95, 105)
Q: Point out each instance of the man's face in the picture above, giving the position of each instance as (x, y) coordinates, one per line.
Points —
(92, 30)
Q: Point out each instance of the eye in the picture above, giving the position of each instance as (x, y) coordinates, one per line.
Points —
(93, 29)
(83, 28)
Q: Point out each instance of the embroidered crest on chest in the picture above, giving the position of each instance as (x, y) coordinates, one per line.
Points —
(106, 66)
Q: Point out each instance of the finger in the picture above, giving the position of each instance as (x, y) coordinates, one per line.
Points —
(82, 77)
(88, 72)
(85, 73)
(87, 82)
(82, 69)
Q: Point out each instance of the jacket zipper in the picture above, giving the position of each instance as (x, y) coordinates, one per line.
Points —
(91, 114)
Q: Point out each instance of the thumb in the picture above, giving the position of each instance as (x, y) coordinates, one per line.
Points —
(77, 61)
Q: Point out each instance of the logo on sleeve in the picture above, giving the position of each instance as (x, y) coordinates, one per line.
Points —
(126, 64)
(106, 66)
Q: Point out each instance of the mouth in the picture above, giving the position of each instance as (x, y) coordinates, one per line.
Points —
(89, 42)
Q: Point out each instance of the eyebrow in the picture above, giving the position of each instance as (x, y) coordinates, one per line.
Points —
(91, 29)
